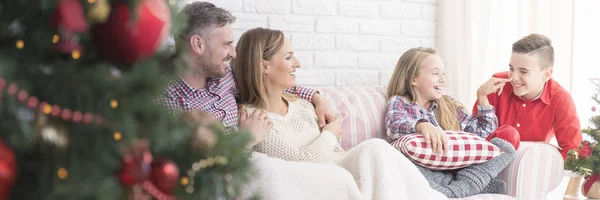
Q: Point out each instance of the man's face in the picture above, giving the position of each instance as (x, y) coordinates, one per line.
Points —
(528, 77)
(219, 51)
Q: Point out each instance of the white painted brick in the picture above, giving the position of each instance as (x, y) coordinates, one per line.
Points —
(385, 77)
(315, 77)
(398, 44)
(429, 42)
(249, 21)
(307, 59)
(268, 6)
(313, 42)
(429, 12)
(359, 9)
(314, 7)
(357, 78)
(292, 23)
(336, 25)
(400, 10)
(230, 5)
(424, 28)
(357, 43)
(336, 60)
(381, 27)
(427, 1)
(377, 61)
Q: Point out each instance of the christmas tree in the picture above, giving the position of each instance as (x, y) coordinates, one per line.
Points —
(585, 160)
(79, 118)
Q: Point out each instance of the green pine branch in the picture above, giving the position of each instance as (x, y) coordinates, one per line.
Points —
(93, 156)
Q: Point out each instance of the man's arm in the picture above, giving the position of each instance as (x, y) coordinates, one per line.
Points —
(322, 107)
(303, 92)
(566, 124)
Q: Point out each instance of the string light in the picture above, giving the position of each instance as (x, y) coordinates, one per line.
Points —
(20, 44)
(117, 135)
(114, 103)
(184, 181)
(47, 109)
(55, 39)
(76, 54)
(91, 1)
(63, 173)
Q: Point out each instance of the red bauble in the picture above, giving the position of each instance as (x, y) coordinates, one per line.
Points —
(165, 175)
(8, 170)
(584, 151)
(137, 162)
(593, 108)
(125, 38)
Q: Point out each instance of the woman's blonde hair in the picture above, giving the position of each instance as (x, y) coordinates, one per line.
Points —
(407, 69)
(254, 46)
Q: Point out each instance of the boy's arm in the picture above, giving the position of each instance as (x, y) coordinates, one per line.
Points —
(566, 124)
(398, 120)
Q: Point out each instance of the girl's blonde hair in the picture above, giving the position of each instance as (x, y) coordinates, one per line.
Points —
(407, 69)
(254, 46)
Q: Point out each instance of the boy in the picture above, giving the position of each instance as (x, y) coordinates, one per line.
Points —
(534, 103)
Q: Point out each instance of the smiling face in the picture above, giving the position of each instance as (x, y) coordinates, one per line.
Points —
(219, 50)
(528, 77)
(429, 83)
(281, 68)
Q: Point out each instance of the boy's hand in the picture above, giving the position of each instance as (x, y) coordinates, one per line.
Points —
(435, 138)
(490, 86)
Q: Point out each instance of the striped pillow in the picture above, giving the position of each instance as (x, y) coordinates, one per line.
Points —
(362, 110)
(466, 149)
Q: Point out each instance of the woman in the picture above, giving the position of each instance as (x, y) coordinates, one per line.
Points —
(264, 67)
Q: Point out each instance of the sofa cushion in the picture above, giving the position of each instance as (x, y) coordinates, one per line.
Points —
(362, 111)
(465, 149)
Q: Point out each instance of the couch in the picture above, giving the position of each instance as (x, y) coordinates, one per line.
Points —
(537, 170)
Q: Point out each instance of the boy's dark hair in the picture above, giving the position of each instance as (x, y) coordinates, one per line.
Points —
(536, 44)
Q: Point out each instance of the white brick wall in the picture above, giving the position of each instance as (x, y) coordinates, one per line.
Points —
(341, 42)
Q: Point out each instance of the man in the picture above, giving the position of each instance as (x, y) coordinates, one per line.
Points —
(534, 103)
(207, 85)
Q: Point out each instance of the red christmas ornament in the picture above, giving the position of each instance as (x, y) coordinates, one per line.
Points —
(585, 150)
(165, 175)
(136, 163)
(8, 170)
(125, 38)
(69, 20)
(593, 108)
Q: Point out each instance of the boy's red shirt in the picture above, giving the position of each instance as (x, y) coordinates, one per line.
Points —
(552, 114)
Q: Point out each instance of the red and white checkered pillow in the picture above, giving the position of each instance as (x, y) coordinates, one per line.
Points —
(465, 149)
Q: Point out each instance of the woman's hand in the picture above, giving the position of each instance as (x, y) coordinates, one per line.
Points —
(435, 138)
(335, 127)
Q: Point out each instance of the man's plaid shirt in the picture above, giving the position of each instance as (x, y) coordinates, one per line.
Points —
(218, 98)
(402, 117)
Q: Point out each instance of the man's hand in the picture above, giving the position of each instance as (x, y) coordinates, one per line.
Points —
(258, 124)
(323, 110)
(435, 138)
(335, 127)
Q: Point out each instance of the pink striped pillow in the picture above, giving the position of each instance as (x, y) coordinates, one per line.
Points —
(362, 110)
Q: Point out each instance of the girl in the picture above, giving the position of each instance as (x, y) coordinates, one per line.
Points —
(264, 67)
(417, 105)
